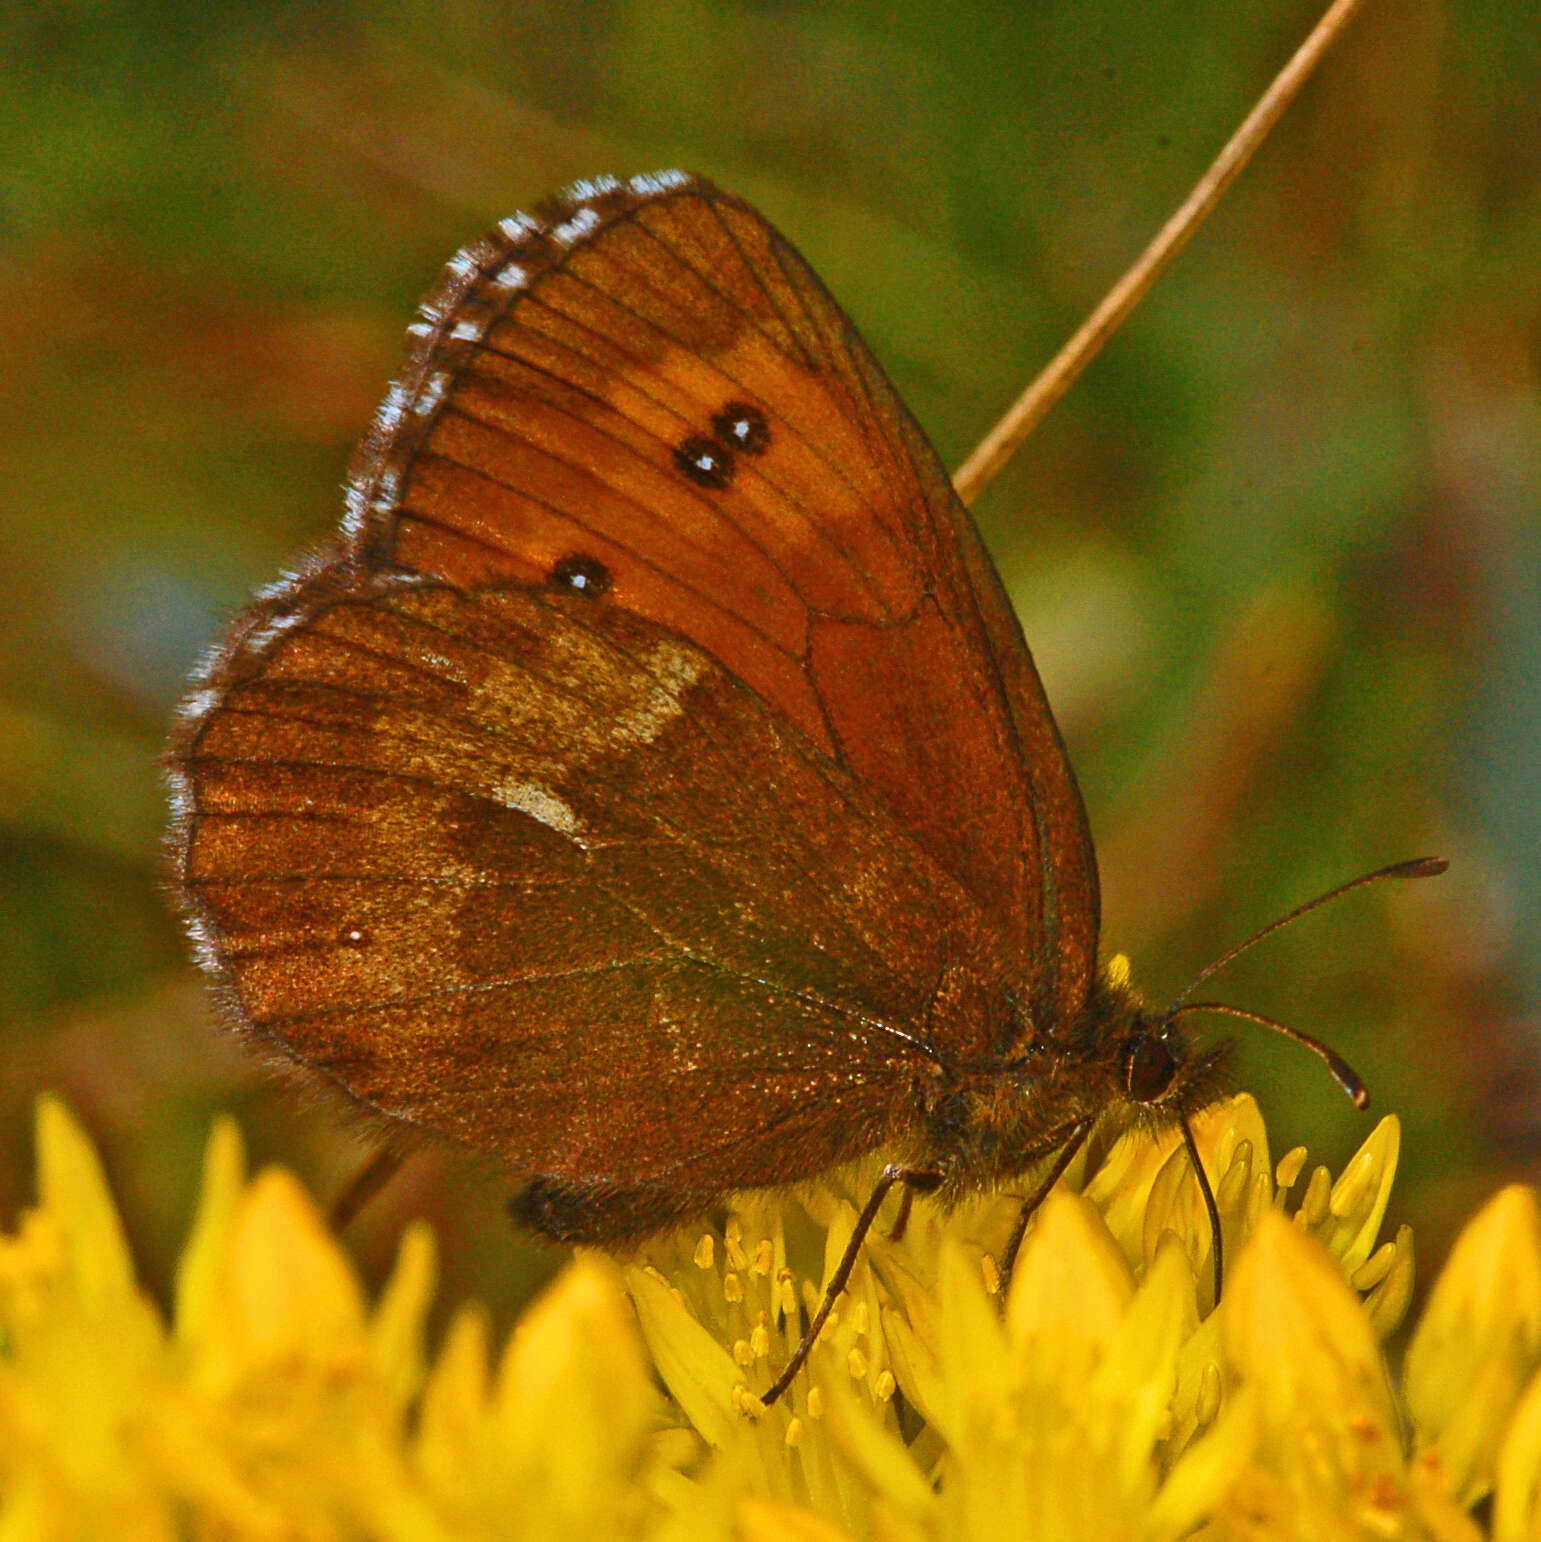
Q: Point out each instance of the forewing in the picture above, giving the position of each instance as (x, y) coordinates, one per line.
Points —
(646, 377)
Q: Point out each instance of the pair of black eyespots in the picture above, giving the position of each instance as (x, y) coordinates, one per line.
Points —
(737, 429)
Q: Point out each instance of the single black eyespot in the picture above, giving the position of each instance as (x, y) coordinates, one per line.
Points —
(742, 427)
(1148, 1068)
(705, 462)
(578, 574)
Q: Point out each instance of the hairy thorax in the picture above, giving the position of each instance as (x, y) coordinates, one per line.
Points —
(990, 1121)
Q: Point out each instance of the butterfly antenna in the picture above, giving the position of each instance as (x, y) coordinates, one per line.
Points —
(1342, 1072)
(1419, 867)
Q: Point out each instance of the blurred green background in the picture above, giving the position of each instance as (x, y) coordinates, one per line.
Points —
(1278, 553)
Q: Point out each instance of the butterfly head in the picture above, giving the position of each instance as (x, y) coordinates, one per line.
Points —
(1163, 1076)
(1149, 1071)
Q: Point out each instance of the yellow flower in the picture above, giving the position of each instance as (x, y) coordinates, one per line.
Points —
(1108, 1400)
(277, 1405)
(1106, 1396)
(1474, 1352)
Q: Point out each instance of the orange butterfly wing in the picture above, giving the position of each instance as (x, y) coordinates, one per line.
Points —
(499, 865)
(654, 787)
(568, 365)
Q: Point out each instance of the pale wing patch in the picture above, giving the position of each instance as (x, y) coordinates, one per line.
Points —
(674, 670)
(539, 803)
(620, 708)
(641, 705)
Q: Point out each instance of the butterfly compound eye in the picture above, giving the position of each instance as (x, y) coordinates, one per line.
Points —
(1148, 1068)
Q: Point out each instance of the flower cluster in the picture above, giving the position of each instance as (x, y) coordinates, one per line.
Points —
(1106, 1396)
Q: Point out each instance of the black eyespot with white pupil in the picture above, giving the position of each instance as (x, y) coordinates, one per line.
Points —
(741, 427)
(705, 462)
(580, 574)
(1148, 1068)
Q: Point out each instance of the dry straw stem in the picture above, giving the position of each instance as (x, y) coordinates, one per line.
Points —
(1029, 409)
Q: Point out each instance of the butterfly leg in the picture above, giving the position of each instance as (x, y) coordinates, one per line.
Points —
(902, 1220)
(364, 1185)
(922, 1180)
(1055, 1173)
(1209, 1201)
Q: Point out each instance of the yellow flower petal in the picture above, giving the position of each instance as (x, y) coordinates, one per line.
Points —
(697, 1370)
(574, 1366)
(1388, 1301)
(1291, 1326)
(1120, 1187)
(1128, 1396)
(913, 1352)
(453, 1437)
(1220, 1129)
(876, 1455)
(1070, 1288)
(1024, 1457)
(396, 1333)
(767, 1520)
(1356, 1203)
(970, 1346)
(73, 1190)
(198, 1269)
(1233, 1145)
(1328, 1460)
(1479, 1342)
(287, 1295)
(1517, 1502)
(1207, 1471)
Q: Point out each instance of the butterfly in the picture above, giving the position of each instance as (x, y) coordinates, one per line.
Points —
(651, 786)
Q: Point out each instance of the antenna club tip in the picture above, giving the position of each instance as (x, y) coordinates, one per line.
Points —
(1421, 867)
(1347, 1078)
